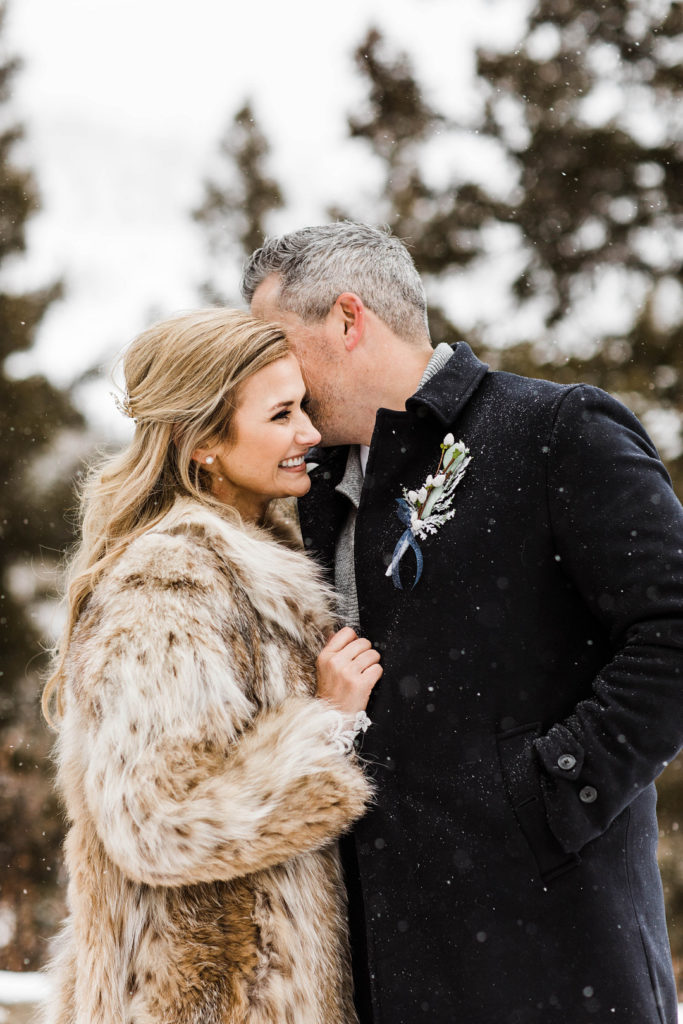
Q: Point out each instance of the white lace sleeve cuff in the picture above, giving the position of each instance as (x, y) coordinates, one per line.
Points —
(347, 728)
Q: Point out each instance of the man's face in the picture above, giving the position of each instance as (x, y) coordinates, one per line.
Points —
(319, 351)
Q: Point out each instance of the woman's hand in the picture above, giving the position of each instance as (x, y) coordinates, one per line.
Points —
(348, 668)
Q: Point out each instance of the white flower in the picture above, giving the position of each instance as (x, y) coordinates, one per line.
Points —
(412, 497)
(448, 440)
(422, 495)
(439, 480)
(429, 481)
(456, 450)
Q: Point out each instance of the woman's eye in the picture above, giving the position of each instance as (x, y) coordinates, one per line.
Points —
(282, 415)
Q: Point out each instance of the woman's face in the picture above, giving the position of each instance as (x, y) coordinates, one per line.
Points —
(271, 433)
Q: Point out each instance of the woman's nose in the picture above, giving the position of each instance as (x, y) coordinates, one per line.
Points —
(308, 434)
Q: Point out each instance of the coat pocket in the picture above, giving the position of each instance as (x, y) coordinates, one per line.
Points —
(523, 785)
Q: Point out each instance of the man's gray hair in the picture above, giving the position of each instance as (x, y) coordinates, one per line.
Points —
(317, 264)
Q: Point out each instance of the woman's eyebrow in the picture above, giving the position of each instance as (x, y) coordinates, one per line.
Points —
(290, 401)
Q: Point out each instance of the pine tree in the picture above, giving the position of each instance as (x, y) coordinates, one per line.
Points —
(33, 531)
(235, 206)
(592, 198)
(592, 191)
(597, 195)
(437, 225)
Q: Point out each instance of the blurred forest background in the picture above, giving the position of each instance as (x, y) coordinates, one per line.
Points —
(585, 120)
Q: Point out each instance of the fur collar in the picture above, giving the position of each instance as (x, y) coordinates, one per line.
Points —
(267, 562)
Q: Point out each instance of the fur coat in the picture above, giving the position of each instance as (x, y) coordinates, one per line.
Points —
(203, 789)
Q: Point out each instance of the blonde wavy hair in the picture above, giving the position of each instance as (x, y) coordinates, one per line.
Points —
(183, 377)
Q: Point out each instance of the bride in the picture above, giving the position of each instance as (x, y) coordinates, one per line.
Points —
(206, 709)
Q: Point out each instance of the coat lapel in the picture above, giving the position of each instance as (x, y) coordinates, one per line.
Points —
(449, 390)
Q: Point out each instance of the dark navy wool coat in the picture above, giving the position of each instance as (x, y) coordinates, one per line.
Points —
(531, 694)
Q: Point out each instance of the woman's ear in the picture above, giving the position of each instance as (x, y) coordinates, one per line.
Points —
(204, 457)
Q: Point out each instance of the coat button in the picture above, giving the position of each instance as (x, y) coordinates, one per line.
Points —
(588, 795)
(566, 762)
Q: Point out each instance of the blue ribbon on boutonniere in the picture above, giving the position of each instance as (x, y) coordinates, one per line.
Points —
(406, 540)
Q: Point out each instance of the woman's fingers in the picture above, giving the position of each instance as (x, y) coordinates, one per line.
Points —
(348, 668)
(365, 659)
(372, 675)
(344, 646)
(339, 640)
(355, 648)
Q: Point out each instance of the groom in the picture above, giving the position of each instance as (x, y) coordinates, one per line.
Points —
(530, 619)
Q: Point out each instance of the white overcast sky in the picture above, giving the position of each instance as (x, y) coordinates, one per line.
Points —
(123, 102)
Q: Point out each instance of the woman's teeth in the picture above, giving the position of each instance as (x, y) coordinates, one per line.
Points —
(288, 463)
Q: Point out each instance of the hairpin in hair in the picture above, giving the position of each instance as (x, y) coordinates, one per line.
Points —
(123, 405)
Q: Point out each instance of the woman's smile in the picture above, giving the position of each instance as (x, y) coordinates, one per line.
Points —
(296, 464)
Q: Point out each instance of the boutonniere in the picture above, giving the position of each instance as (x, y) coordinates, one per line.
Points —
(423, 512)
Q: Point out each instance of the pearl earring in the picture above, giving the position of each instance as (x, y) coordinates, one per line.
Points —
(209, 459)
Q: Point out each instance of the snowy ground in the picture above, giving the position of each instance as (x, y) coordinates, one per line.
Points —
(18, 995)
(19, 991)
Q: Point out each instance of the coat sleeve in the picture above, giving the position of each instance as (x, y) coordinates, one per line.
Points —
(618, 529)
(185, 780)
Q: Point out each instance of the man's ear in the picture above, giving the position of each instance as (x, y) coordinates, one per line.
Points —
(351, 312)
